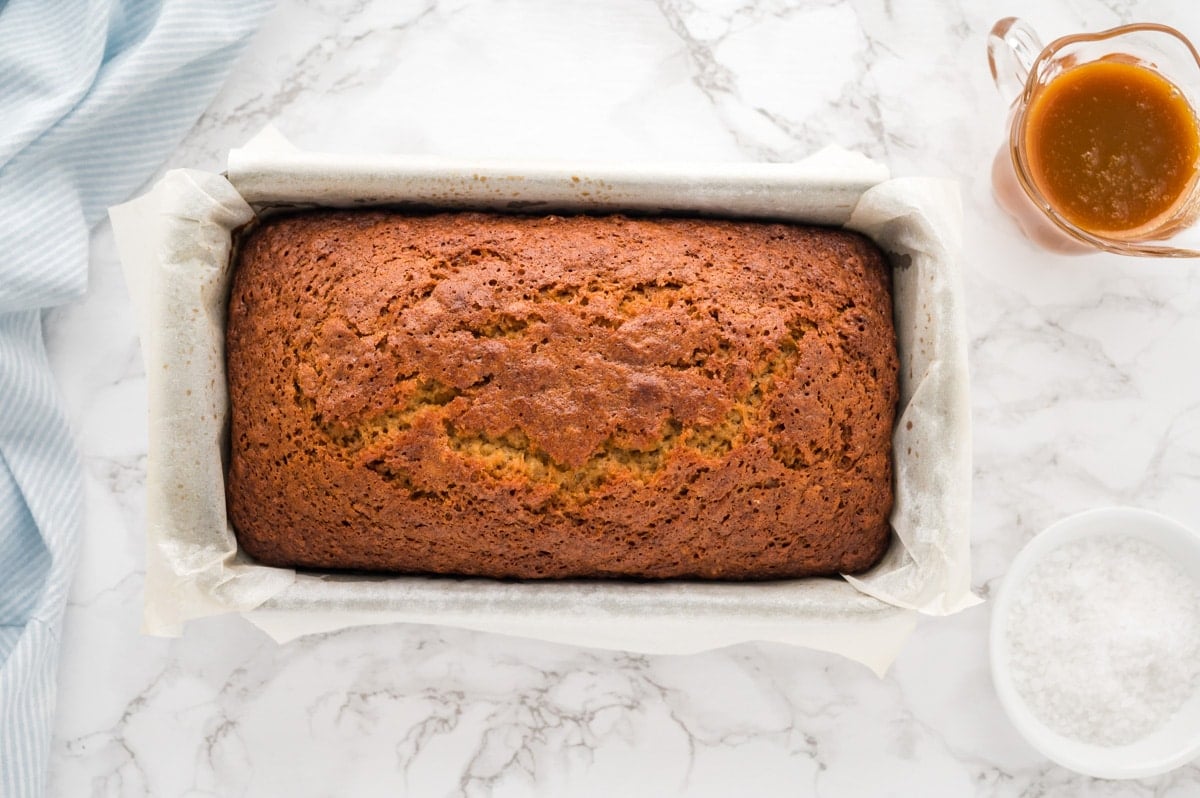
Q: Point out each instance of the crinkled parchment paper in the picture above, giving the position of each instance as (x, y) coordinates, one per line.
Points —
(175, 243)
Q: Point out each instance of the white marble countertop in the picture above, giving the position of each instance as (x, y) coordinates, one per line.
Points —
(1084, 393)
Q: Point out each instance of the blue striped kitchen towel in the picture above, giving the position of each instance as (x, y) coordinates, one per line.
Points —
(95, 95)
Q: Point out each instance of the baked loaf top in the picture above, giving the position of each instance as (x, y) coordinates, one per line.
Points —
(551, 397)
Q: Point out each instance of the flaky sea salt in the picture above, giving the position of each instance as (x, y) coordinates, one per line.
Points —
(1104, 639)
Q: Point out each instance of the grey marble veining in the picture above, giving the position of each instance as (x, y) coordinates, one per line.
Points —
(1084, 393)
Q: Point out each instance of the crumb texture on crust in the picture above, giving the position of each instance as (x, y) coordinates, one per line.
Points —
(553, 397)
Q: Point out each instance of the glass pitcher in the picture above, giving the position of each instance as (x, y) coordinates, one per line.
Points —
(1023, 68)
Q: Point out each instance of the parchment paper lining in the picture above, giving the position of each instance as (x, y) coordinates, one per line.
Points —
(175, 244)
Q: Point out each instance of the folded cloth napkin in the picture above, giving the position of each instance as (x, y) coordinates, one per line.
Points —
(96, 94)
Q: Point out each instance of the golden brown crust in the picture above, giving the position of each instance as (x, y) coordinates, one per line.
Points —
(557, 397)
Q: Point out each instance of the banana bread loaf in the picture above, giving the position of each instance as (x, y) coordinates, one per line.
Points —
(511, 396)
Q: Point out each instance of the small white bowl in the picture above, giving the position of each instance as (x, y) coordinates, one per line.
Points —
(1178, 741)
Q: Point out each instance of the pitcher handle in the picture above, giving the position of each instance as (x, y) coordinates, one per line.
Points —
(1013, 46)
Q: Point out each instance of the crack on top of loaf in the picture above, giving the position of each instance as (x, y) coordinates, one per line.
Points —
(515, 307)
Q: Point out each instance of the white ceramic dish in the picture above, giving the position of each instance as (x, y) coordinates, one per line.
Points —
(1178, 741)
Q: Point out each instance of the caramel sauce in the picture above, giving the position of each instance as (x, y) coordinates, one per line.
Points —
(1113, 147)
